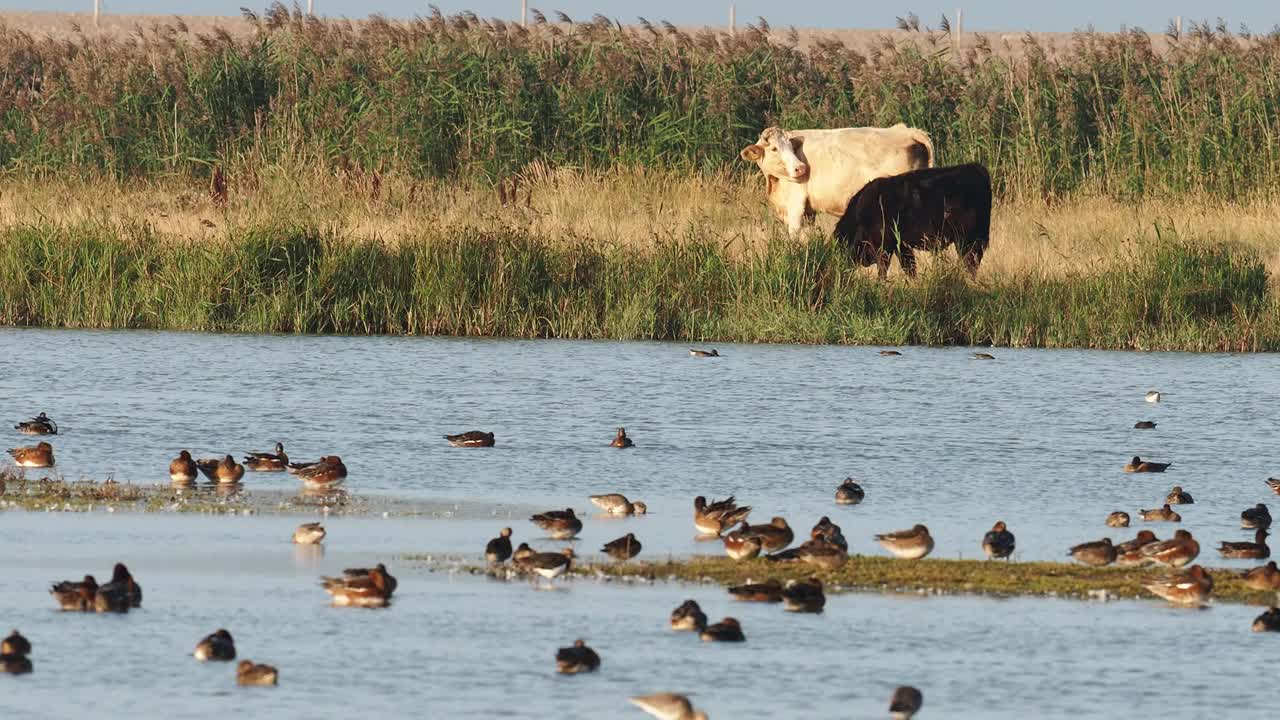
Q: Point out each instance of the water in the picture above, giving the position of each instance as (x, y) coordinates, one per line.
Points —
(1034, 438)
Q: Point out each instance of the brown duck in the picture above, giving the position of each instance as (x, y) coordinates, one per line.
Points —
(328, 471)
(1268, 621)
(217, 646)
(1161, 514)
(998, 542)
(624, 548)
(716, 517)
(1255, 550)
(621, 440)
(41, 424)
(1177, 551)
(910, 544)
(1138, 465)
(1264, 577)
(741, 546)
(775, 536)
(768, 592)
(183, 470)
(39, 455)
(75, 596)
(829, 532)
(1256, 517)
(471, 438)
(577, 658)
(1178, 496)
(225, 471)
(1191, 587)
(558, 524)
(803, 596)
(1118, 519)
(268, 462)
(727, 630)
(1096, 553)
(250, 673)
(15, 644)
(688, 617)
(849, 493)
(372, 589)
(499, 548)
(550, 565)
(1129, 553)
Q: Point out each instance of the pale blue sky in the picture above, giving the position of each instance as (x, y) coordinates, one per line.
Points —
(1151, 15)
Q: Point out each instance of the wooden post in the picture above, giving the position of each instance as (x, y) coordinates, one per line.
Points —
(1177, 25)
(524, 13)
(309, 13)
(97, 8)
(733, 19)
(959, 29)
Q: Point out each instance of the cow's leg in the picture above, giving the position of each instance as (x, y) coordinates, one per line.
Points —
(972, 259)
(882, 263)
(907, 259)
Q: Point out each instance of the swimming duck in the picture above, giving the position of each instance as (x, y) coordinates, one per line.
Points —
(1144, 425)
(75, 596)
(621, 440)
(910, 544)
(983, 356)
(328, 471)
(1153, 396)
(822, 554)
(703, 353)
(1264, 577)
(576, 659)
(716, 517)
(1257, 516)
(15, 644)
(267, 462)
(889, 353)
(119, 595)
(39, 425)
(1255, 550)
(998, 542)
(499, 548)
(39, 455)
(741, 546)
(216, 646)
(806, 596)
(829, 532)
(769, 592)
(1129, 553)
(1118, 519)
(667, 706)
(471, 438)
(182, 469)
(1191, 587)
(15, 664)
(1161, 514)
(309, 533)
(849, 493)
(360, 588)
(727, 630)
(1138, 465)
(1274, 484)
(688, 617)
(1177, 551)
(1177, 496)
(1268, 621)
(905, 703)
(624, 548)
(225, 471)
(550, 565)
(618, 504)
(773, 537)
(558, 524)
(250, 673)
(1096, 553)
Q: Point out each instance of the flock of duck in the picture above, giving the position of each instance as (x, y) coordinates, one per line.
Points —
(723, 520)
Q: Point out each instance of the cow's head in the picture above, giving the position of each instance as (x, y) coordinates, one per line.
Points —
(777, 155)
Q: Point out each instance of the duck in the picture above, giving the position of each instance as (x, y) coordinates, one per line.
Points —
(1161, 514)
(471, 438)
(1144, 425)
(14, 664)
(1268, 621)
(618, 504)
(558, 524)
(372, 589)
(1118, 519)
(823, 554)
(1177, 551)
(75, 596)
(621, 440)
(773, 537)
(998, 542)
(328, 471)
(1255, 517)
(889, 353)
(225, 471)
(550, 565)
(183, 470)
(829, 532)
(522, 553)
(983, 356)
(251, 673)
(1096, 553)
(1129, 553)
(803, 596)
(693, 352)
(39, 455)
(1138, 465)
(1191, 587)
(1255, 550)
(362, 572)
(1274, 484)
(217, 646)
(41, 424)
(499, 548)
(1264, 577)
(716, 517)
(15, 644)
(849, 493)
(309, 534)
(905, 703)
(667, 706)
(119, 595)
(688, 617)
(1153, 396)
(727, 630)
(910, 544)
(624, 548)
(769, 591)
(741, 546)
(1177, 496)
(267, 462)
(577, 658)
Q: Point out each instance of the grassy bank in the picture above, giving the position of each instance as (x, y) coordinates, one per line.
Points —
(442, 97)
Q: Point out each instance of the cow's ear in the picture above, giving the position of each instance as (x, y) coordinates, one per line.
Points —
(752, 153)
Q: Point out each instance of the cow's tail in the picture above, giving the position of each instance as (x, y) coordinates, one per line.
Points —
(923, 138)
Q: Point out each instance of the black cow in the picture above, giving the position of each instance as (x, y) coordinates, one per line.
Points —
(922, 209)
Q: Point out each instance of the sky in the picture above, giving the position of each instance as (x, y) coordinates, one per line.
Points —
(1014, 15)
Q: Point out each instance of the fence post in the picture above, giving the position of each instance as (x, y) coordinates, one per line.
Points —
(309, 13)
(97, 8)
(733, 20)
(1177, 22)
(959, 30)
(524, 13)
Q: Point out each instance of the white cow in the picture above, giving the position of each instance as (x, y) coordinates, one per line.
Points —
(812, 171)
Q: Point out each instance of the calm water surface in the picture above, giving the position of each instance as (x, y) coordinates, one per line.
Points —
(1035, 438)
